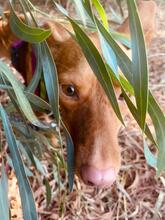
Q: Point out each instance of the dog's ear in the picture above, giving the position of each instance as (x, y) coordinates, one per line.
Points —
(59, 32)
(59, 35)
(147, 12)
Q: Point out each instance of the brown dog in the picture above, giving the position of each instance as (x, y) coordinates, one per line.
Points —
(85, 108)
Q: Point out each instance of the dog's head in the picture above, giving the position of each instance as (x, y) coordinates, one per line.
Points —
(89, 117)
(86, 109)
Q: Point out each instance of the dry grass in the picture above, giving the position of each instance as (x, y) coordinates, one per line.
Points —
(138, 193)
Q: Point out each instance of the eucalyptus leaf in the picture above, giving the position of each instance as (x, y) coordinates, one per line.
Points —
(80, 10)
(27, 200)
(123, 60)
(39, 166)
(34, 83)
(70, 157)
(26, 32)
(109, 55)
(36, 102)
(125, 86)
(4, 203)
(154, 110)
(158, 120)
(51, 79)
(101, 12)
(123, 39)
(21, 98)
(139, 62)
(97, 64)
(27, 171)
(48, 192)
(150, 157)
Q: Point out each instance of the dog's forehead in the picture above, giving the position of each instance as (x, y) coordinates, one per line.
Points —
(72, 64)
(70, 53)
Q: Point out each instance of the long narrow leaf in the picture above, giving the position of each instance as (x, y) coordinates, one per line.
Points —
(139, 62)
(80, 10)
(101, 12)
(150, 157)
(21, 98)
(123, 60)
(4, 203)
(32, 86)
(70, 156)
(125, 65)
(108, 53)
(51, 79)
(97, 64)
(48, 192)
(27, 33)
(135, 114)
(95, 61)
(125, 86)
(36, 102)
(27, 200)
(123, 39)
(158, 120)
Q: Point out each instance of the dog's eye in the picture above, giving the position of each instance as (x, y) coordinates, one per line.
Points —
(69, 90)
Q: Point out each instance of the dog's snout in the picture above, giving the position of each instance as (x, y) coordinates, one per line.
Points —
(98, 178)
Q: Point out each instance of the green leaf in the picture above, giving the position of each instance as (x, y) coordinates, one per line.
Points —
(136, 116)
(80, 10)
(5, 87)
(70, 157)
(125, 65)
(158, 120)
(123, 39)
(29, 155)
(38, 103)
(26, 32)
(150, 158)
(97, 64)
(39, 166)
(48, 192)
(139, 62)
(32, 86)
(125, 86)
(21, 98)
(109, 55)
(51, 79)
(27, 171)
(123, 60)
(27, 200)
(4, 204)
(101, 12)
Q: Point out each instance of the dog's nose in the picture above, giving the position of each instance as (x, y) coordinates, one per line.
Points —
(99, 178)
